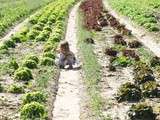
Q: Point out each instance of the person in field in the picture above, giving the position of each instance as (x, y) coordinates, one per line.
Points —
(66, 58)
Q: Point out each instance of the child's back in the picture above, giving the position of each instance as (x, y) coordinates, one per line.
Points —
(66, 57)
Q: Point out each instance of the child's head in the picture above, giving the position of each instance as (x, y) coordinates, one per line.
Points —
(64, 47)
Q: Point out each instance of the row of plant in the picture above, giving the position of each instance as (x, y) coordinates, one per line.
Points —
(92, 12)
(90, 18)
(46, 27)
(143, 12)
(12, 11)
(123, 54)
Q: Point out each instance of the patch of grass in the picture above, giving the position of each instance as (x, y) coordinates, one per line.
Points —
(91, 69)
(145, 55)
(45, 74)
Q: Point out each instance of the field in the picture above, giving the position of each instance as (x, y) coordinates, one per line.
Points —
(27, 63)
(116, 73)
(14, 10)
(143, 12)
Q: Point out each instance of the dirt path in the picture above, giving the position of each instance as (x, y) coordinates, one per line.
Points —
(67, 104)
(146, 38)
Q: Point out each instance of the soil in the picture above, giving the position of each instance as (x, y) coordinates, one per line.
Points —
(149, 39)
(10, 103)
(111, 81)
(67, 105)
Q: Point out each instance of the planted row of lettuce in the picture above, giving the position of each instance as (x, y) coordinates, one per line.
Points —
(12, 11)
(143, 12)
(47, 27)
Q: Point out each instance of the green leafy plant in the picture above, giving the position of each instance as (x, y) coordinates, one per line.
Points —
(23, 73)
(13, 64)
(33, 57)
(10, 43)
(48, 28)
(33, 111)
(38, 96)
(18, 38)
(50, 46)
(16, 88)
(122, 61)
(47, 61)
(141, 111)
(37, 27)
(128, 92)
(3, 49)
(49, 54)
(30, 64)
(32, 34)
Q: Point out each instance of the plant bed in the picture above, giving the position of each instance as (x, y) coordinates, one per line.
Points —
(128, 92)
(141, 111)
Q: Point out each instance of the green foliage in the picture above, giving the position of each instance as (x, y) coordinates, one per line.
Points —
(55, 38)
(119, 47)
(10, 43)
(128, 92)
(24, 30)
(49, 54)
(18, 38)
(32, 34)
(38, 96)
(13, 11)
(33, 57)
(142, 73)
(13, 64)
(141, 111)
(23, 73)
(33, 111)
(3, 49)
(30, 64)
(150, 89)
(37, 27)
(1, 88)
(47, 61)
(50, 46)
(16, 88)
(48, 28)
(140, 11)
(122, 61)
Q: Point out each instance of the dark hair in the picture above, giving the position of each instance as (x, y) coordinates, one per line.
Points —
(64, 45)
